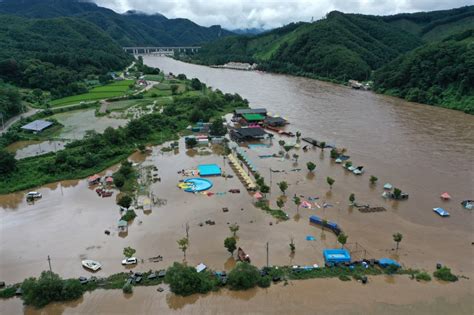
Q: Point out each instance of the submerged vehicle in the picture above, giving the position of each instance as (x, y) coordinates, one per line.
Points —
(91, 264)
(33, 195)
(130, 261)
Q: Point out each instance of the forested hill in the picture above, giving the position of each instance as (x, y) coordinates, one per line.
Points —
(435, 25)
(129, 29)
(55, 54)
(341, 46)
(352, 46)
(437, 73)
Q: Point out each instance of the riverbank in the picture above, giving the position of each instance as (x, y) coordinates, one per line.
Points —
(452, 102)
(385, 294)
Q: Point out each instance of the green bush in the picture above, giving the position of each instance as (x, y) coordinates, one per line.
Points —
(445, 274)
(184, 280)
(423, 276)
(49, 287)
(8, 292)
(344, 278)
(129, 215)
(127, 288)
(244, 276)
(264, 282)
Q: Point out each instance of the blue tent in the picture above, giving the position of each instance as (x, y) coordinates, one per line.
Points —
(385, 262)
(441, 212)
(336, 256)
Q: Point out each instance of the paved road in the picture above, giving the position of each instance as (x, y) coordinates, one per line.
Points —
(11, 121)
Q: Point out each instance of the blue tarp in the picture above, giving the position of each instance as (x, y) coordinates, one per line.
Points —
(441, 212)
(385, 262)
(310, 238)
(336, 256)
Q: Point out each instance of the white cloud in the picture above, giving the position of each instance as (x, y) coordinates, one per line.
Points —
(233, 14)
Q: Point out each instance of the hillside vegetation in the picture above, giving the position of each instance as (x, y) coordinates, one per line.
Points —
(424, 57)
(437, 73)
(341, 46)
(435, 25)
(55, 54)
(129, 29)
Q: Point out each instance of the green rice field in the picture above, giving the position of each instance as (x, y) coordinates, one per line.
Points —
(115, 89)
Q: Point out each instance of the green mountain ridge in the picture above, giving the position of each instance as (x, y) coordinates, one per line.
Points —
(129, 29)
(54, 54)
(437, 73)
(353, 46)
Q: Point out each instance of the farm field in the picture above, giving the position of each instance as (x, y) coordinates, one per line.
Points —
(98, 93)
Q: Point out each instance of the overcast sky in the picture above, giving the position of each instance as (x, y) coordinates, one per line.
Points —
(233, 14)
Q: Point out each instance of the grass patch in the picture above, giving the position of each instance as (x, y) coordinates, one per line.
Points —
(276, 213)
(422, 276)
(444, 273)
(115, 89)
(154, 77)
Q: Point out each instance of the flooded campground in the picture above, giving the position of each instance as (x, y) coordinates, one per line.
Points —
(421, 149)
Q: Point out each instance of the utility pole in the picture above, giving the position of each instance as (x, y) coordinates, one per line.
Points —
(187, 230)
(50, 269)
(267, 256)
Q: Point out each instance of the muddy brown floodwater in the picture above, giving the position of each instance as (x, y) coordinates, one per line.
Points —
(423, 150)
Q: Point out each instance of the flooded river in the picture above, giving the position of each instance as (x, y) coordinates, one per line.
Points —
(421, 149)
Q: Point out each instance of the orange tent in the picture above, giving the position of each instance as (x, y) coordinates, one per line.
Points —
(445, 196)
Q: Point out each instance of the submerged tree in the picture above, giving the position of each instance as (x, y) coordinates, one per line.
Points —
(352, 199)
(183, 245)
(292, 245)
(373, 179)
(342, 239)
(397, 193)
(330, 182)
(311, 166)
(397, 237)
(297, 201)
(234, 228)
(280, 203)
(283, 186)
(129, 252)
(296, 157)
(231, 244)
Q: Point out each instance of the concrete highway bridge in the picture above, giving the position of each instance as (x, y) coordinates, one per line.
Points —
(160, 51)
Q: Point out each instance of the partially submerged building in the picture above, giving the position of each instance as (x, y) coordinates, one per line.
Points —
(248, 134)
(37, 126)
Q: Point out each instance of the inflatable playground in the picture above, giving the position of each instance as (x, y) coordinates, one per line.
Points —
(195, 185)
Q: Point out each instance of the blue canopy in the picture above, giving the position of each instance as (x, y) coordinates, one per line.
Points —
(385, 262)
(333, 256)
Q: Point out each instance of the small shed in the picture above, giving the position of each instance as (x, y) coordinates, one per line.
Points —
(122, 226)
(37, 126)
(275, 121)
(336, 256)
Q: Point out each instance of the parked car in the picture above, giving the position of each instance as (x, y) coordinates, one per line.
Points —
(130, 261)
(33, 195)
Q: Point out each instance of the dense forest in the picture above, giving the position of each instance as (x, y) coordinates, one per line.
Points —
(341, 46)
(55, 54)
(437, 73)
(129, 29)
(10, 101)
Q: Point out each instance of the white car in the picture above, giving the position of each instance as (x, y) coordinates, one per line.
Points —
(33, 195)
(130, 261)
